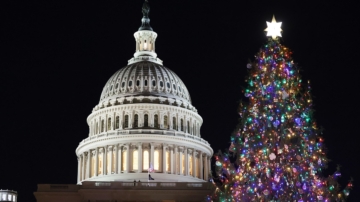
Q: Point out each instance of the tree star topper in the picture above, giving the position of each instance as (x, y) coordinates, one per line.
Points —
(274, 28)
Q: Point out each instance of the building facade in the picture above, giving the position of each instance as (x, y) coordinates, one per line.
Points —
(143, 128)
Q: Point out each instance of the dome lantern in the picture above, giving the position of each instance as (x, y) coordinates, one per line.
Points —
(145, 40)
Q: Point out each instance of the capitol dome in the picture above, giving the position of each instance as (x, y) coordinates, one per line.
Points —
(144, 126)
(145, 81)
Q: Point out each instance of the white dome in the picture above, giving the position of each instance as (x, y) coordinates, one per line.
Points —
(145, 79)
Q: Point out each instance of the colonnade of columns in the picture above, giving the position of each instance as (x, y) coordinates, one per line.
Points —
(139, 157)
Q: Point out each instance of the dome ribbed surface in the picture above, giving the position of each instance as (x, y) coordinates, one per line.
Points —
(145, 79)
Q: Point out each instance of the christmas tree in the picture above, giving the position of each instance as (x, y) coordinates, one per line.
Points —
(277, 153)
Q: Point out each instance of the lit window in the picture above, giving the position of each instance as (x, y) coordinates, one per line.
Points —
(167, 159)
(156, 121)
(124, 160)
(146, 120)
(100, 163)
(126, 122)
(190, 164)
(156, 160)
(93, 159)
(135, 160)
(145, 160)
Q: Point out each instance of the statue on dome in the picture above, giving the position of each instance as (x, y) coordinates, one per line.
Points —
(146, 9)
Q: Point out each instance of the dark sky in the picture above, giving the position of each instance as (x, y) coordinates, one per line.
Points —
(57, 56)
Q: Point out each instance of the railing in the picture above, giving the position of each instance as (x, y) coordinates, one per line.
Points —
(145, 131)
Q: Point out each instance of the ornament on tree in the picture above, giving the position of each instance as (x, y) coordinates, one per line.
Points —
(272, 156)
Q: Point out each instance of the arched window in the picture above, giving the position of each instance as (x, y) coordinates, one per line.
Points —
(156, 160)
(109, 124)
(117, 122)
(174, 123)
(188, 127)
(135, 160)
(166, 122)
(194, 129)
(137, 82)
(145, 82)
(146, 120)
(136, 121)
(130, 83)
(153, 83)
(145, 160)
(156, 121)
(124, 160)
(181, 125)
(102, 125)
(161, 84)
(126, 122)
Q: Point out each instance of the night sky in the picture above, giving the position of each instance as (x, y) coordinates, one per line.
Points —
(57, 56)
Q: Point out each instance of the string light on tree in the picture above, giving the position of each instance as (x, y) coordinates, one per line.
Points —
(277, 153)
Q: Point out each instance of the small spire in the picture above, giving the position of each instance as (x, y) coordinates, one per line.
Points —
(145, 21)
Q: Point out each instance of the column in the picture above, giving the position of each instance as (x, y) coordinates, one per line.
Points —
(164, 160)
(209, 165)
(83, 168)
(96, 161)
(79, 168)
(115, 149)
(110, 160)
(88, 164)
(172, 160)
(104, 154)
(205, 168)
(201, 166)
(152, 154)
(175, 160)
(194, 162)
(119, 156)
(127, 158)
(140, 167)
(180, 161)
(186, 161)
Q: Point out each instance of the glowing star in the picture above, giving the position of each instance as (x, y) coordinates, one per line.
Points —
(274, 28)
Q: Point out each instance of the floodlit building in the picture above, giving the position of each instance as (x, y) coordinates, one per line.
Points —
(8, 195)
(144, 141)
